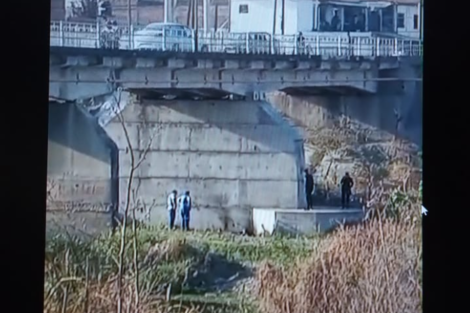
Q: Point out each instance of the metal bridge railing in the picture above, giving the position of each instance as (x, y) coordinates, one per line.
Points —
(90, 35)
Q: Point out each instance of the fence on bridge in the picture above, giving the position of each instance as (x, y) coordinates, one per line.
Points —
(94, 35)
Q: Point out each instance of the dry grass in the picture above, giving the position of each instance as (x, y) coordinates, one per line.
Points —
(373, 267)
(102, 297)
(80, 275)
(77, 281)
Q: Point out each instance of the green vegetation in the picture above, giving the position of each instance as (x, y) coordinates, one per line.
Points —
(343, 271)
(164, 258)
(177, 271)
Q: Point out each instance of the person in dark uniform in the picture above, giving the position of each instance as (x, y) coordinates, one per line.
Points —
(308, 188)
(185, 209)
(336, 22)
(300, 43)
(346, 186)
(356, 27)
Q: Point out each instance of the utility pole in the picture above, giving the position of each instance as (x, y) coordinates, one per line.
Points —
(196, 20)
(196, 15)
(165, 11)
(205, 15)
(420, 20)
(193, 13)
(129, 13)
(283, 21)
(274, 20)
(216, 17)
(188, 16)
(129, 22)
(168, 6)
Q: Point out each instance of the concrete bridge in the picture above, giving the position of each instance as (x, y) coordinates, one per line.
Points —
(83, 73)
(206, 125)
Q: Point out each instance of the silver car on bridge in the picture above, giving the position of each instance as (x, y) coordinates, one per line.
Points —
(161, 36)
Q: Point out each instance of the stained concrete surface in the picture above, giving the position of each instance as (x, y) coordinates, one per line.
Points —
(79, 170)
(78, 223)
(231, 155)
(344, 133)
(375, 110)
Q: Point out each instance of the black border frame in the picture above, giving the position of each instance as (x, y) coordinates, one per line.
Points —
(24, 129)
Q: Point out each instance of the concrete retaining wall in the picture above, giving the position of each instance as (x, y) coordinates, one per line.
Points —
(77, 223)
(301, 222)
(231, 155)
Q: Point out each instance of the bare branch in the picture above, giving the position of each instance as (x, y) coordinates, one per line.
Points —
(122, 247)
(131, 194)
(136, 266)
(147, 149)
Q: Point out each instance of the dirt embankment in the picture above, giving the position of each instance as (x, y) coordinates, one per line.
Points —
(335, 144)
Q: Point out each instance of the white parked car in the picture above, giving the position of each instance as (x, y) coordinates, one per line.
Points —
(164, 36)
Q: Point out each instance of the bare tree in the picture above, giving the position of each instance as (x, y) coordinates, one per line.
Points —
(135, 164)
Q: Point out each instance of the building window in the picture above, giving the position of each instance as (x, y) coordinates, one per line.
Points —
(243, 9)
(401, 20)
(387, 20)
(415, 21)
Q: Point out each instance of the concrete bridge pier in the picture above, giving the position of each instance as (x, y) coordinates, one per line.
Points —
(232, 156)
(82, 172)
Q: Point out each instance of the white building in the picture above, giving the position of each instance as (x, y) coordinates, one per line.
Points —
(409, 18)
(402, 17)
(258, 15)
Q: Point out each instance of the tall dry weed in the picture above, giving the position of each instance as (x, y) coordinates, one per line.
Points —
(79, 296)
(373, 267)
(77, 281)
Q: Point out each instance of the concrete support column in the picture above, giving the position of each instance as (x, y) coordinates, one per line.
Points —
(248, 133)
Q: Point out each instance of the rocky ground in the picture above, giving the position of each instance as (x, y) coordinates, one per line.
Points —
(369, 156)
(335, 144)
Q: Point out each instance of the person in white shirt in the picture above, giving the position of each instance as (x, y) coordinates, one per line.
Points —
(171, 205)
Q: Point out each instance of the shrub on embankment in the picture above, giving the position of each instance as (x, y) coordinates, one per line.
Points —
(372, 267)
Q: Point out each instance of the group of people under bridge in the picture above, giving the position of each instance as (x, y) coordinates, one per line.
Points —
(183, 203)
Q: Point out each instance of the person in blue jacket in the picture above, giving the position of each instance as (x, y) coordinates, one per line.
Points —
(185, 209)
